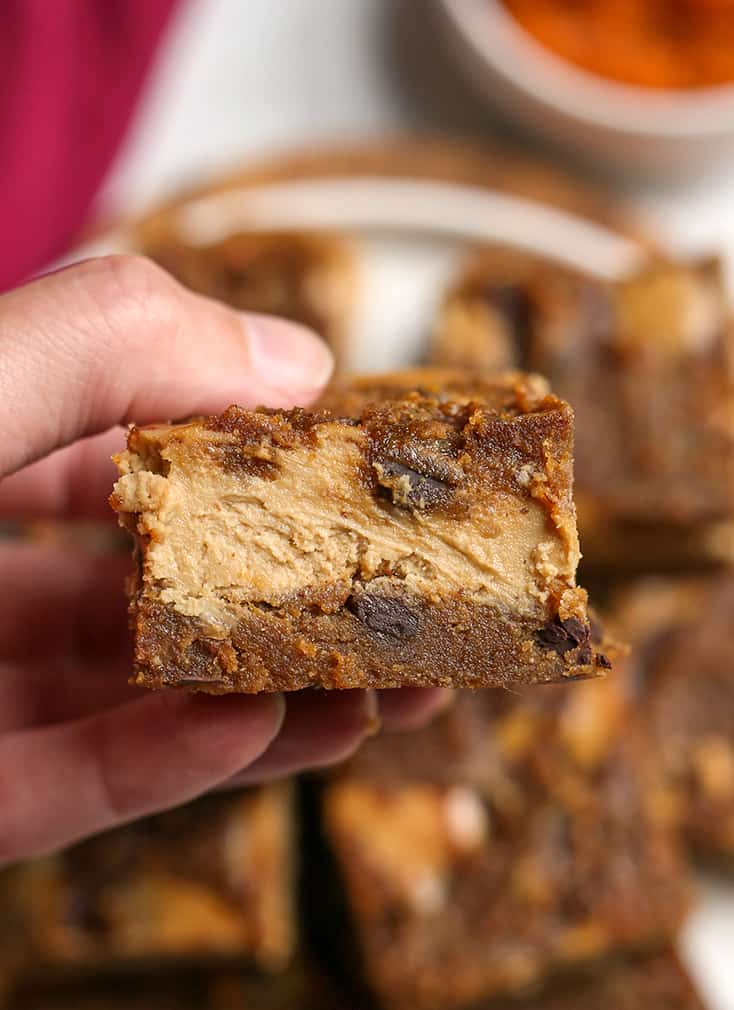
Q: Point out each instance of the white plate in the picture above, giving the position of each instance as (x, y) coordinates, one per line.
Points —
(410, 236)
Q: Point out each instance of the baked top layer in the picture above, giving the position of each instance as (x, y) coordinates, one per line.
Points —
(405, 536)
(682, 636)
(647, 366)
(210, 880)
(516, 839)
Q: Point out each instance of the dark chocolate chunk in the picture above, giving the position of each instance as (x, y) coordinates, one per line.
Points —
(385, 615)
(603, 661)
(408, 488)
(562, 636)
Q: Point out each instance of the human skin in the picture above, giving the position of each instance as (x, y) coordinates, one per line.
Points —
(84, 351)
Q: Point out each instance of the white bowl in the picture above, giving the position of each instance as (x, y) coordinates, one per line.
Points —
(616, 125)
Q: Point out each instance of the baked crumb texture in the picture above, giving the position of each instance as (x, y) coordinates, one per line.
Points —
(207, 882)
(519, 839)
(646, 365)
(418, 529)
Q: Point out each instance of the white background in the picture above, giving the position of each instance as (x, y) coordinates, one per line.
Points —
(244, 77)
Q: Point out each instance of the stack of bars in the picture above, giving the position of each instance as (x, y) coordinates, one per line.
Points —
(532, 848)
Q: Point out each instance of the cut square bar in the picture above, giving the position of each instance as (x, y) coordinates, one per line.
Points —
(646, 364)
(420, 531)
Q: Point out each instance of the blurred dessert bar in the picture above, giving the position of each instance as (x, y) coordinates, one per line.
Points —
(654, 982)
(427, 537)
(682, 632)
(646, 364)
(227, 988)
(208, 881)
(307, 277)
(520, 838)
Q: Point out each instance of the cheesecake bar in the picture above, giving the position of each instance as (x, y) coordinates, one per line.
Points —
(402, 534)
(683, 635)
(210, 881)
(520, 838)
(309, 278)
(646, 365)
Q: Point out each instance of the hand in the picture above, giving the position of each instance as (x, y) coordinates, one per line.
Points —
(83, 351)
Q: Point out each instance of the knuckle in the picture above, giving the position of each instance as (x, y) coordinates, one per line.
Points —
(132, 294)
(123, 273)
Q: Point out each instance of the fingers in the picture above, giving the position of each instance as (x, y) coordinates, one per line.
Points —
(412, 707)
(49, 693)
(324, 728)
(116, 339)
(321, 728)
(59, 784)
(64, 604)
(71, 483)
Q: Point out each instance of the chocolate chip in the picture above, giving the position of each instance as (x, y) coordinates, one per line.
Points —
(603, 661)
(562, 636)
(585, 654)
(408, 488)
(384, 615)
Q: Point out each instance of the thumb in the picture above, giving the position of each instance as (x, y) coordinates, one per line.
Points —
(113, 340)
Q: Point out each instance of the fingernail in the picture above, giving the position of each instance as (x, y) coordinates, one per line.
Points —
(287, 358)
(372, 709)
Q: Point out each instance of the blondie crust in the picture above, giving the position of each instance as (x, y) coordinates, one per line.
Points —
(310, 278)
(209, 881)
(518, 839)
(683, 636)
(402, 537)
(647, 366)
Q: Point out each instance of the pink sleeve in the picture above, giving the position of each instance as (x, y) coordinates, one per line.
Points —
(71, 72)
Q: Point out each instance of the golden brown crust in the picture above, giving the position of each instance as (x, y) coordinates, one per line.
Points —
(421, 461)
(377, 640)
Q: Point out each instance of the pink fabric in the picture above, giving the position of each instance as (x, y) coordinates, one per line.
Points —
(71, 72)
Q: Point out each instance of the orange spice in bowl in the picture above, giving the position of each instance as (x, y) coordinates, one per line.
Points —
(669, 44)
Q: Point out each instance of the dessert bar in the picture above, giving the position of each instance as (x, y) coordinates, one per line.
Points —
(520, 838)
(683, 636)
(208, 881)
(416, 529)
(646, 365)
